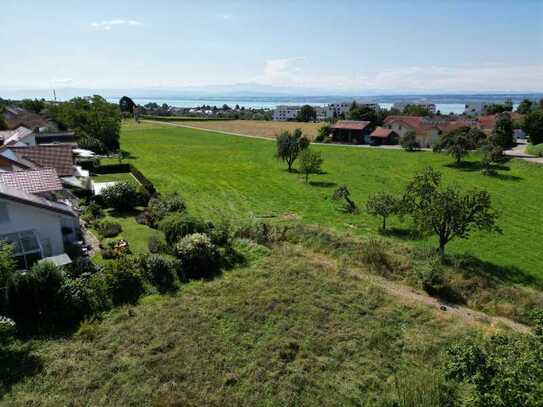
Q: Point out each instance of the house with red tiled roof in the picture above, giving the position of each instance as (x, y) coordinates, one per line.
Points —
(37, 181)
(57, 156)
(427, 129)
(351, 131)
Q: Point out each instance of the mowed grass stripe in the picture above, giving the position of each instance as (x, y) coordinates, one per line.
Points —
(224, 175)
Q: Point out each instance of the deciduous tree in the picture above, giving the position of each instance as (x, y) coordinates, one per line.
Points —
(383, 205)
(409, 141)
(306, 114)
(533, 126)
(448, 213)
(343, 193)
(310, 163)
(90, 117)
(502, 133)
(290, 145)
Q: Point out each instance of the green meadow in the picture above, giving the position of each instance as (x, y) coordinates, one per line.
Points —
(237, 177)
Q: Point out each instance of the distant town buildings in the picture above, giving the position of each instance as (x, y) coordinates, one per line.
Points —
(431, 107)
(475, 108)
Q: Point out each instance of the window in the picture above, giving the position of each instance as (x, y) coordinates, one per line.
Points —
(4, 215)
(26, 248)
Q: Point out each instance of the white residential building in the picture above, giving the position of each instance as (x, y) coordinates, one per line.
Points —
(34, 226)
(431, 107)
(286, 112)
(475, 108)
(336, 109)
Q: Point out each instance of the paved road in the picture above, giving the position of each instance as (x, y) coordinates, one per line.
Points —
(519, 151)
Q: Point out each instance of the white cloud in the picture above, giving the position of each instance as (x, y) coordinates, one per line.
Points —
(106, 25)
(490, 77)
(282, 70)
(226, 17)
(482, 78)
(63, 81)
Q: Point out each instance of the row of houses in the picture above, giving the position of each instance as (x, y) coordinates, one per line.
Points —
(427, 129)
(38, 212)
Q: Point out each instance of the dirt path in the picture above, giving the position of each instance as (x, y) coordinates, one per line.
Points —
(91, 241)
(409, 296)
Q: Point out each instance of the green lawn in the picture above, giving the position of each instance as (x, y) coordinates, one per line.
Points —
(123, 177)
(239, 177)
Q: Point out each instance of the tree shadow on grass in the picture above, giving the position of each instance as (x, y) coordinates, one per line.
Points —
(322, 184)
(471, 265)
(402, 233)
(473, 166)
(15, 366)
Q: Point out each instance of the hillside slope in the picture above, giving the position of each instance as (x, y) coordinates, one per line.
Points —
(289, 330)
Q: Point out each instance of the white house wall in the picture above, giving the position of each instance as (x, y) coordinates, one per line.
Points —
(46, 224)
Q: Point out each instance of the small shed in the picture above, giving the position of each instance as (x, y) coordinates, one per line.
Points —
(349, 131)
(384, 136)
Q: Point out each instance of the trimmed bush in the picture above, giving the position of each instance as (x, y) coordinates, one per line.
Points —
(109, 229)
(124, 280)
(200, 257)
(176, 226)
(162, 272)
(121, 196)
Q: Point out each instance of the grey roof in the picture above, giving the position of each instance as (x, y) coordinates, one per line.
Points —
(28, 199)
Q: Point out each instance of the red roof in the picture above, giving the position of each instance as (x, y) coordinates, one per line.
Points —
(351, 125)
(59, 157)
(381, 132)
(32, 181)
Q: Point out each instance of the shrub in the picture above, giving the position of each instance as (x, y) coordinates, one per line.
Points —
(109, 229)
(536, 149)
(177, 226)
(167, 204)
(324, 133)
(36, 299)
(502, 370)
(108, 253)
(155, 245)
(124, 280)
(374, 255)
(120, 196)
(91, 212)
(81, 266)
(221, 234)
(259, 232)
(161, 272)
(200, 257)
(7, 330)
(409, 141)
(159, 207)
(93, 144)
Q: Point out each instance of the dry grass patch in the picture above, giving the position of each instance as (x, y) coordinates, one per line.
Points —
(260, 128)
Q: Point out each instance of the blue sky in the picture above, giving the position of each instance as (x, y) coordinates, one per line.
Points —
(356, 46)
